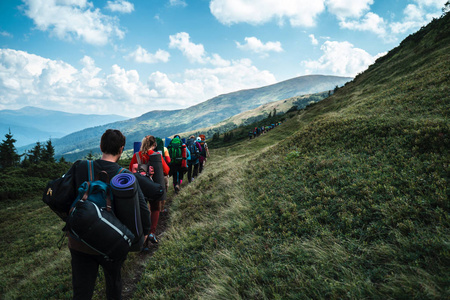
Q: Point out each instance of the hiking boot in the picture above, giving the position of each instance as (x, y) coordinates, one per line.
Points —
(177, 188)
(152, 238)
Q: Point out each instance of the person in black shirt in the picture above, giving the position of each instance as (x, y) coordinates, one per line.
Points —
(85, 261)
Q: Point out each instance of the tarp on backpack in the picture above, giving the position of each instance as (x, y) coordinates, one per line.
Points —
(126, 206)
(100, 230)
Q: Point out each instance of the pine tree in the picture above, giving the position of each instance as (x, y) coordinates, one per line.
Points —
(274, 112)
(48, 152)
(8, 154)
(90, 156)
(35, 154)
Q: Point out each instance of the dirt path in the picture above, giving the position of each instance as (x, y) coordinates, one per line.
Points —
(136, 266)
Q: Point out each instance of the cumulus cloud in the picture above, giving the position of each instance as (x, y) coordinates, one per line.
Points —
(348, 8)
(28, 79)
(121, 6)
(297, 12)
(340, 58)
(314, 41)
(417, 15)
(255, 45)
(193, 52)
(371, 22)
(141, 55)
(73, 19)
(201, 84)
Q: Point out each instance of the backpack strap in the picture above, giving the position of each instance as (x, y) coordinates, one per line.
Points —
(121, 170)
(90, 170)
(138, 158)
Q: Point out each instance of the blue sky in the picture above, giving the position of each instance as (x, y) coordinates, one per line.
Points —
(131, 57)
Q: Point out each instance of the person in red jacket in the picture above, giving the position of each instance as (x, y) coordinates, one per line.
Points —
(147, 148)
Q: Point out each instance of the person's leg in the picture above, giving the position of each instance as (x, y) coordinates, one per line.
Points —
(113, 277)
(195, 172)
(189, 172)
(84, 274)
(154, 215)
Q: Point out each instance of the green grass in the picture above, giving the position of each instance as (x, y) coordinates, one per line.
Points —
(347, 199)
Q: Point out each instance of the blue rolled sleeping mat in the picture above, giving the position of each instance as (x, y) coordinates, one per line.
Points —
(155, 160)
(126, 206)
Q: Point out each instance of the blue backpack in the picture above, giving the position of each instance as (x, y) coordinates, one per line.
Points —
(193, 149)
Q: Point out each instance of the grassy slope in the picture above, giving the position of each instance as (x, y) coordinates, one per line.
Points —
(352, 204)
(347, 200)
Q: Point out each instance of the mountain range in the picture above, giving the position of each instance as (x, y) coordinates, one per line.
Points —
(166, 123)
(31, 124)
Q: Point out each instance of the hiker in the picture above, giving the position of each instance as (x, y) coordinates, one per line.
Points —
(250, 135)
(148, 146)
(178, 163)
(204, 154)
(194, 148)
(85, 261)
(166, 179)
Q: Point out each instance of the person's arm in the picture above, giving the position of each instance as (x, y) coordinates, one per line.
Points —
(188, 154)
(132, 162)
(166, 168)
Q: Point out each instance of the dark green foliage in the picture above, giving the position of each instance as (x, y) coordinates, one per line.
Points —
(23, 182)
(8, 153)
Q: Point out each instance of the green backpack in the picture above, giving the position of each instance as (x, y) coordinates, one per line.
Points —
(174, 149)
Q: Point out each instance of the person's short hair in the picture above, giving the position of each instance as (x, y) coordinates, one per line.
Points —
(111, 142)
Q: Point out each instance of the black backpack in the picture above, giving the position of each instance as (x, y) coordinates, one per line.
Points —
(60, 194)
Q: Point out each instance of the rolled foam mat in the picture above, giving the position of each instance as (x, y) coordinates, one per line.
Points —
(126, 206)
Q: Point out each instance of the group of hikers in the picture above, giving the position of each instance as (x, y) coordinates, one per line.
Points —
(178, 158)
(257, 131)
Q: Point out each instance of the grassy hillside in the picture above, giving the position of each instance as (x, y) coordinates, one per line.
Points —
(352, 203)
(346, 200)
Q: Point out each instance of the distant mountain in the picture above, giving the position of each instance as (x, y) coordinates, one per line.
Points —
(31, 124)
(210, 112)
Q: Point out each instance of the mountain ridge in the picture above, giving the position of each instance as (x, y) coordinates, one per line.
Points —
(166, 123)
(31, 124)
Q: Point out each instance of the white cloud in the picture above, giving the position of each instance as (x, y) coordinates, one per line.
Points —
(6, 34)
(178, 3)
(27, 79)
(141, 55)
(340, 58)
(297, 12)
(371, 22)
(255, 45)
(73, 19)
(198, 85)
(194, 52)
(314, 41)
(348, 8)
(121, 6)
(418, 15)
(433, 3)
